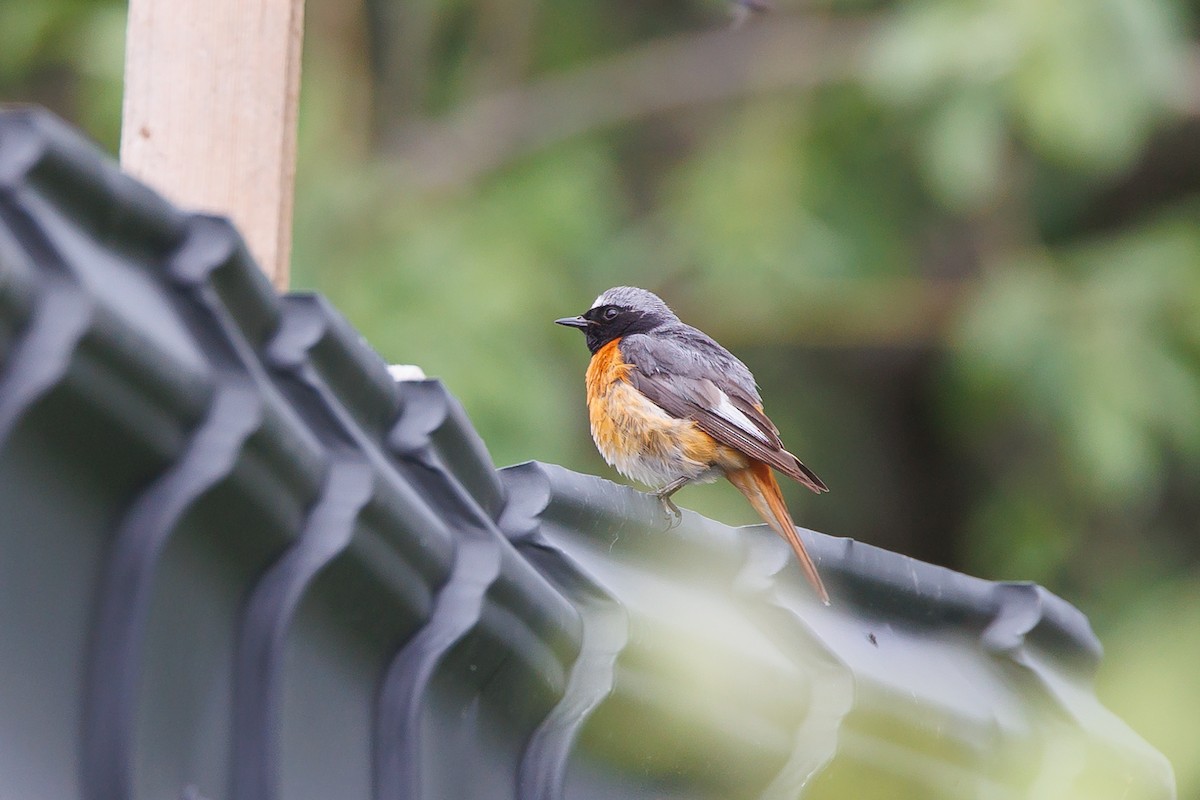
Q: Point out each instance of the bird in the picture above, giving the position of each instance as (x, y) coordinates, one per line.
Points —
(668, 406)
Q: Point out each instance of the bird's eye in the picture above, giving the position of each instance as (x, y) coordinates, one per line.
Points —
(610, 314)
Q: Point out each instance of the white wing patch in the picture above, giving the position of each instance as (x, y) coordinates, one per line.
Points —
(732, 414)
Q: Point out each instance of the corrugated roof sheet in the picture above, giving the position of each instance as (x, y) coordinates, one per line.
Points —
(239, 561)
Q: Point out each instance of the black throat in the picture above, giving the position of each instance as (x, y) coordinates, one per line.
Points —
(627, 322)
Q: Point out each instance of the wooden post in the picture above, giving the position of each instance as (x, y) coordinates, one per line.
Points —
(211, 91)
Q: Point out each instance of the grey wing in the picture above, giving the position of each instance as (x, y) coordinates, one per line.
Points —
(690, 376)
(683, 351)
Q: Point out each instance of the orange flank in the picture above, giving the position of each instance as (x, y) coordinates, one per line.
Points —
(758, 484)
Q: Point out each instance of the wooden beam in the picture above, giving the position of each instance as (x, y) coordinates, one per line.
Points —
(211, 93)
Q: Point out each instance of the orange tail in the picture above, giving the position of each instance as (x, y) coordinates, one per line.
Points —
(758, 484)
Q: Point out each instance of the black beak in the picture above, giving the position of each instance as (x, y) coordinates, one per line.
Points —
(572, 322)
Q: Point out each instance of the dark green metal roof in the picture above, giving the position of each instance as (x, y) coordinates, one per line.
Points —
(238, 561)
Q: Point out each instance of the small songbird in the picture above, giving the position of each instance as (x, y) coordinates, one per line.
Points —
(669, 406)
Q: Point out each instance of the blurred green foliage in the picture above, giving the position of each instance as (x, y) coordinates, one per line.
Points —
(958, 241)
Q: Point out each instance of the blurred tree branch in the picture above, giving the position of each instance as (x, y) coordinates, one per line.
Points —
(779, 53)
(399, 40)
(1189, 95)
(845, 313)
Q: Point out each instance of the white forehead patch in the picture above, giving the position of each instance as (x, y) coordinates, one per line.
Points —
(599, 301)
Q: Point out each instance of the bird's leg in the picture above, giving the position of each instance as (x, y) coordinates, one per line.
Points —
(664, 497)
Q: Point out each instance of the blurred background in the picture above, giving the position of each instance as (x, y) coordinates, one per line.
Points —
(957, 241)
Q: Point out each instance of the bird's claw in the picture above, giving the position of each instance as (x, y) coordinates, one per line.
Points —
(671, 510)
(664, 497)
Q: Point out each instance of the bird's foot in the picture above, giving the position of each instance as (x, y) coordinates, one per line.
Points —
(672, 510)
(664, 497)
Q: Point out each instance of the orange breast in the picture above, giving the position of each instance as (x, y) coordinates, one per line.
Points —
(640, 439)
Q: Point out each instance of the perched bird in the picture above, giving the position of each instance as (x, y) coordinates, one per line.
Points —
(669, 406)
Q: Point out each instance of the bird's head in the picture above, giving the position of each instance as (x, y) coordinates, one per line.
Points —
(621, 311)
